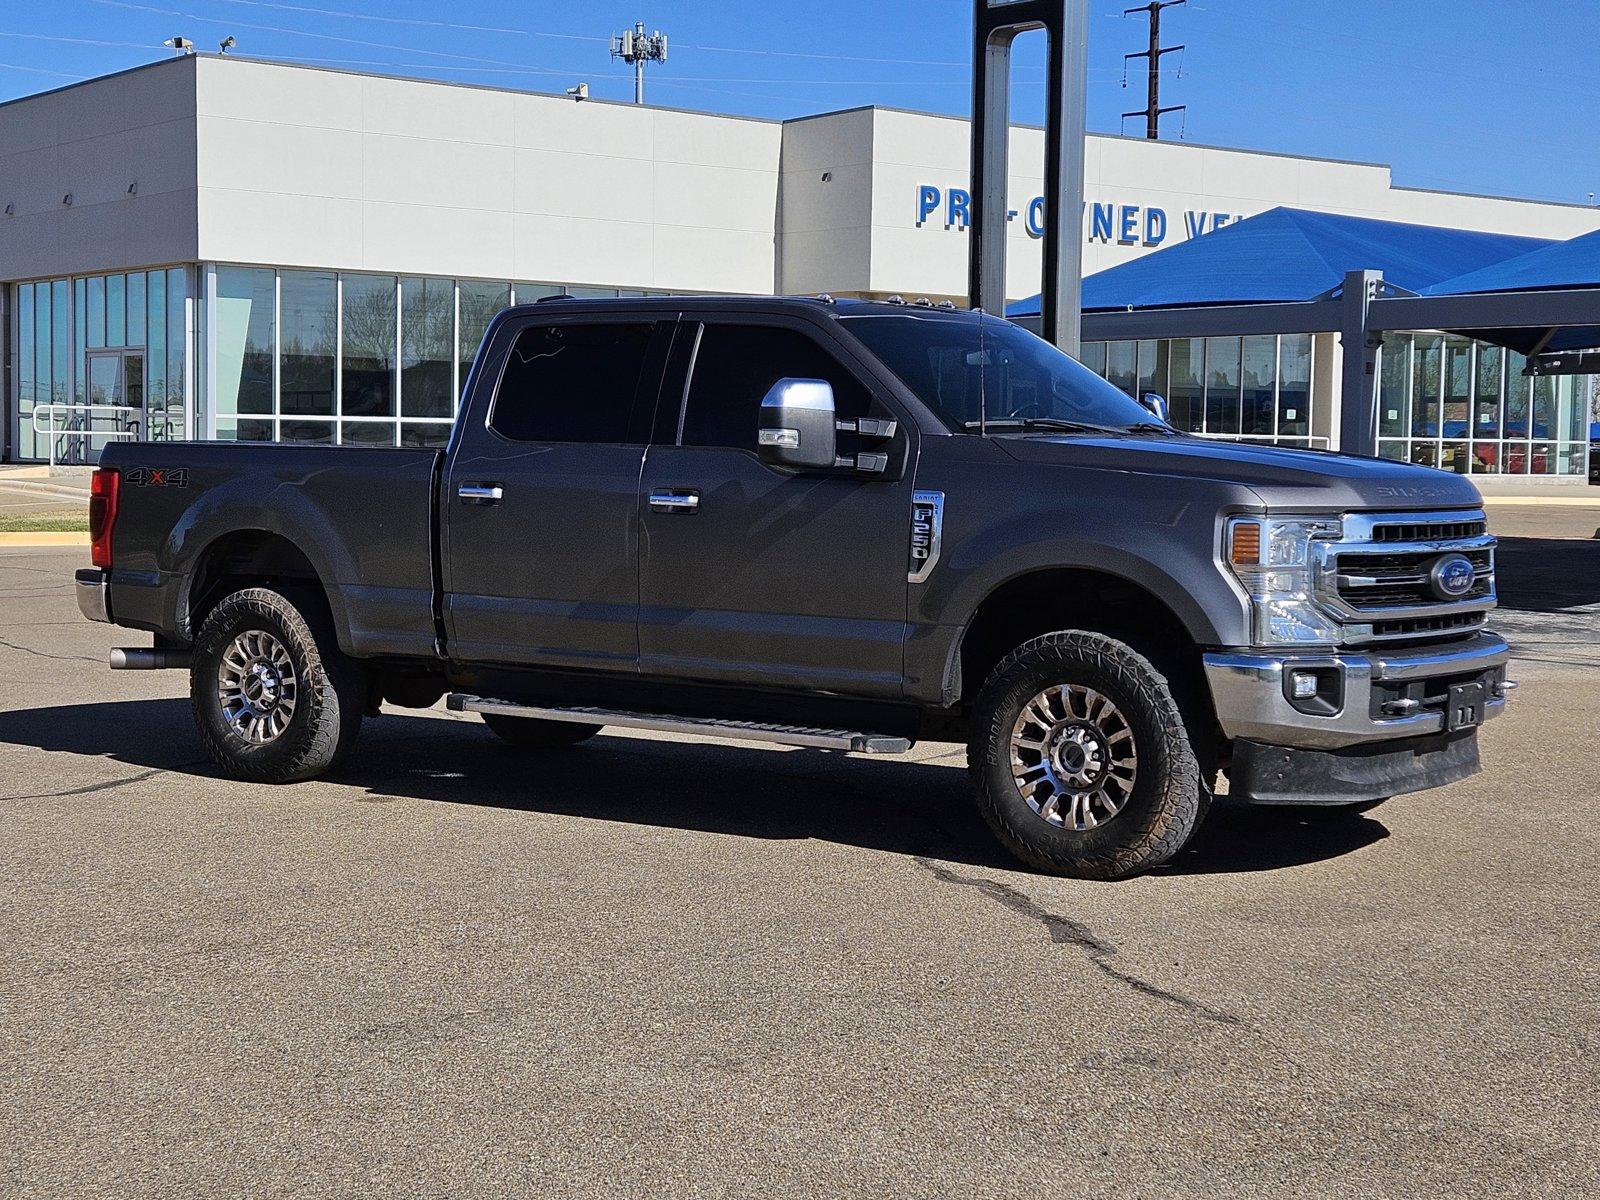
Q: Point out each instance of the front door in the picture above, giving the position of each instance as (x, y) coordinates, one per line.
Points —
(540, 542)
(758, 577)
(115, 402)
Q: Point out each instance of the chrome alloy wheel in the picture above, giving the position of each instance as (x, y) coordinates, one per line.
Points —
(1073, 757)
(256, 686)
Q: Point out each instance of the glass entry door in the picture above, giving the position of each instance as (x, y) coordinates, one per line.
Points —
(114, 404)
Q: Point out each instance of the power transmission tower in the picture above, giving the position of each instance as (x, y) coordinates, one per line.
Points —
(636, 47)
(1153, 110)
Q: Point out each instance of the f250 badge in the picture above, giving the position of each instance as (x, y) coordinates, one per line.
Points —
(158, 477)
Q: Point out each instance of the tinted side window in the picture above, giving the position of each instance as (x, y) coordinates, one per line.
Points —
(735, 367)
(570, 383)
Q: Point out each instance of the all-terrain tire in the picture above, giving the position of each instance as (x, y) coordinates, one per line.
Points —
(1168, 798)
(329, 689)
(530, 733)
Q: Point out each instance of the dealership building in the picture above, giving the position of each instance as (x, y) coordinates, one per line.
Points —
(219, 247)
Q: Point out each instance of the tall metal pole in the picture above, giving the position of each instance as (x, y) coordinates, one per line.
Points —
(996, 24)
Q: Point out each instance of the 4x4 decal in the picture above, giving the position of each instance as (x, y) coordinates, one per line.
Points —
(158, 477)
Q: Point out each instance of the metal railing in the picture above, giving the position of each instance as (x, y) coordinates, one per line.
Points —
(71, 428)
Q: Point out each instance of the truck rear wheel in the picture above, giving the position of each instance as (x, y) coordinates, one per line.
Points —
(274, 698)
(530, 733)
(1082, 760)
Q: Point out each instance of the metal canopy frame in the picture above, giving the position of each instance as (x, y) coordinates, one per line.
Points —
(1361, 312)
(996, 24)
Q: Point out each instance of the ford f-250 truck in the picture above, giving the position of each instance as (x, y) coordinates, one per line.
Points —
(843, 525)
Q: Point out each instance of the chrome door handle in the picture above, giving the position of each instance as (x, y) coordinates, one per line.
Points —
(684, 502)
(480, 493)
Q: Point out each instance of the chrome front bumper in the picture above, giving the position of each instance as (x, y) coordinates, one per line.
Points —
(93, 592)
(1252, 701)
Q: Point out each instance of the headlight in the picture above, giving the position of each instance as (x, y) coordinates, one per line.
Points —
(1272, 558)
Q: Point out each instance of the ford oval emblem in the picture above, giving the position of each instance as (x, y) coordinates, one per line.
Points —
(1452, 576)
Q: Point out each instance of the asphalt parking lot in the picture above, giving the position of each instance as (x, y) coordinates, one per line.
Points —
(649, 967)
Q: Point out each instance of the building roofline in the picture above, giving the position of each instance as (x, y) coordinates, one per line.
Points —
(1589, 208)
(700, 112)
(93, 79)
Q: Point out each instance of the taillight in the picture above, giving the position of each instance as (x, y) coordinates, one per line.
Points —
(104, 488)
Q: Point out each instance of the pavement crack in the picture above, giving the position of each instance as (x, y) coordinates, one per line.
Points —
(43, 654)
(1066, 931)
(92, 787)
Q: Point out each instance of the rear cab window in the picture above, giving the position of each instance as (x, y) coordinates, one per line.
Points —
(572, 381)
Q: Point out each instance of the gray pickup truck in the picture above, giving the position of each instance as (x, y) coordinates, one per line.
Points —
(843, 525)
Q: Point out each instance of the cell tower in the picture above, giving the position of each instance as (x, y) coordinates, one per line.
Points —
(1153, 110)
(637, 47)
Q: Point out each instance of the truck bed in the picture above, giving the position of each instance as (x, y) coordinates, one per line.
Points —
(361, 517)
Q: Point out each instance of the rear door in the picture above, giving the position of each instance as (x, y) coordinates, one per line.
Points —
(540, 521)
(755, 576)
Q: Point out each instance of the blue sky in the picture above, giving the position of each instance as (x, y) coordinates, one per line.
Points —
(1472, 95)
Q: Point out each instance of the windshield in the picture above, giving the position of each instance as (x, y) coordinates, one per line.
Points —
(1008, 376)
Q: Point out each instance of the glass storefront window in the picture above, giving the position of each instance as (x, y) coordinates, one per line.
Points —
(1544, 407)
(244, 344)
(1222, 384)
(1457, 387)
(176, 342)
(479, 303)
(116, 310)
(96, 328)
(1394, 385)
(427, 322)
(137, 324)
(1122, 365)
(1093, 356)
(369, 346)
(307, 304)
(1260, 376)
(1426, 355)
(1186, 399)
(1489, 389)
(366, 433)
(1294, 385)
(156, 335)
(1152, 368)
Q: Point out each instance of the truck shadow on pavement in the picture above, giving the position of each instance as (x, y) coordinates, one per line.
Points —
(1547, 575)
(920, 808)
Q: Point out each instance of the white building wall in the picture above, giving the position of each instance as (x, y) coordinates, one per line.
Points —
(93, 142)
(301, 167)
(1187, 183)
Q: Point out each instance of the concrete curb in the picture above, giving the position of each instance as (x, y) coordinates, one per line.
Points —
(44, 540)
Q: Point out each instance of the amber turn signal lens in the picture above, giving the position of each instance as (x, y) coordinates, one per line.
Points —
(1246, 548)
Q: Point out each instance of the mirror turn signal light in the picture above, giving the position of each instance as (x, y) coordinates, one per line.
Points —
(1244, 549)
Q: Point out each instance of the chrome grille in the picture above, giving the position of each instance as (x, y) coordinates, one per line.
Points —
(1377, 578)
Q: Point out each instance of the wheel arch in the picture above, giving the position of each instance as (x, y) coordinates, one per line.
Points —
(1049, 599)
(242, 558)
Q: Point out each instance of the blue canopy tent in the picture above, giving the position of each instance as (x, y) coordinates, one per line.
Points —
(1559, 266)
(1290, 254)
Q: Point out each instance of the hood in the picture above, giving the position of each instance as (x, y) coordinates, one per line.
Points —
(1291, 480)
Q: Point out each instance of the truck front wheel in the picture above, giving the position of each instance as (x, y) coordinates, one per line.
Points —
(274, 698)
(1081, 758)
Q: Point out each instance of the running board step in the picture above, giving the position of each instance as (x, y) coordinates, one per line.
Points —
(784, 735)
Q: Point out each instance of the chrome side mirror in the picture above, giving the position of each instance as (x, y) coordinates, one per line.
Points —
(1156, 404)
(797, 425)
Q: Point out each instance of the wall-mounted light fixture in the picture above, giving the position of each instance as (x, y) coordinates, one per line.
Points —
(67, 199)
(11, 210)
(133, 188)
